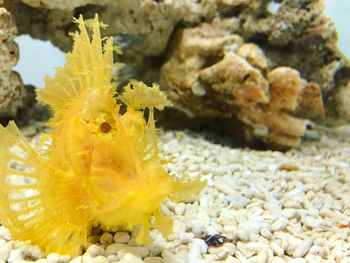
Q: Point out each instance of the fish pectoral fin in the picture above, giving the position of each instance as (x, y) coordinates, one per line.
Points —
(39, 202)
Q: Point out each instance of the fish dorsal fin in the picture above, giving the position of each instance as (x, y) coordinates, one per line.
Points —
(87, 73)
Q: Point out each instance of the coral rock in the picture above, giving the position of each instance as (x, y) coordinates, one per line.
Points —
(216, 74)
(285, 84)
(188, 74)
(286, 90)
(298, 35)
(310, 101)
(11, 86)
(254, 55)
(342, 101)
(235, 82)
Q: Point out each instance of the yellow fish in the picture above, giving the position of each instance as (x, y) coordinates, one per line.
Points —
(98, 166)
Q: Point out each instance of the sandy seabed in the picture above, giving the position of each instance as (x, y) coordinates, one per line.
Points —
(270, 206)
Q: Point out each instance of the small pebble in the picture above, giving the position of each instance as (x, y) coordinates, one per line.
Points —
(169, 257)
(16, 254)
(277, 249)
(241, 257)
(310, 222)
(315, 250)
(114, 248)
(345, 260)
(153, 260)
(197, 227)
(5, 233)
(278, 260)
(266, 233)
(209, 258)
(289, 212)
(56, 258)
(132, 241)
(289, 167)
(99, 259)
(227, 249)
(262, 256)
(292, 204)
(254, 246)
(180, 209)
(86, 258)
(138, 251)
(121, 237)
(279, 224)
(130, 258)
(229, 259)
(95, 251)
(198, 247)
(32, 252)
(313, 258)
(5, 251)
(297, 260)
(303, 247)
(106, 238)
(112, 258)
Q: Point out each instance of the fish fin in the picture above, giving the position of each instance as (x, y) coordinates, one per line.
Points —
(147, 145)
(164, 224)
(86, 76)
(138, 95)
(187, 188)
(37, 201)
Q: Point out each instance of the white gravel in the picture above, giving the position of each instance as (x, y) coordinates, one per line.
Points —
(272, 206)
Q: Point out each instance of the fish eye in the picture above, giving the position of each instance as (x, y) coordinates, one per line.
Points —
(105, 127)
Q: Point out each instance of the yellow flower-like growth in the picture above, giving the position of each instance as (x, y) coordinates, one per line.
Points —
(97, 166)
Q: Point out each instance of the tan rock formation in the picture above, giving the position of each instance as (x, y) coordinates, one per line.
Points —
(144, 25)
(11, 86)
(342, 101)
(213, 72)
(298, 35)
(214, 56)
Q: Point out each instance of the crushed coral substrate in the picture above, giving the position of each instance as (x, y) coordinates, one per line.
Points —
(271, 207)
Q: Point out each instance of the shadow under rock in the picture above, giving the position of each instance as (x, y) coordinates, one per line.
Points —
(224, 131)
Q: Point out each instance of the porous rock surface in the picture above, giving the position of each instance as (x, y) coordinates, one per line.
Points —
(210, 71)
(11, 86)
(298, 36)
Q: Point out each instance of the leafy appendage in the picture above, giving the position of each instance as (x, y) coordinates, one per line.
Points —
(138, 95)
